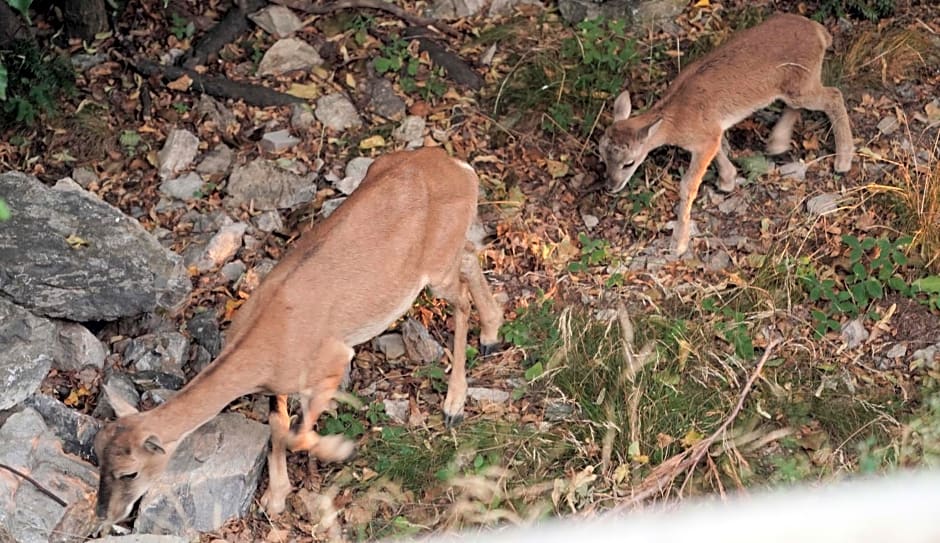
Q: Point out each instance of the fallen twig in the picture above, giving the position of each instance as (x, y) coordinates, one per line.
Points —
(35, 483)
(457, 70)
(665, 473)
(233, 25)
(221, 87)
(379, 5)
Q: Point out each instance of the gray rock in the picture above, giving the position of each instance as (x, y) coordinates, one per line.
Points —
(287, 55)
(795, 170)
(491, 395)
(927, 355)
(397, 410)
(158, 396)
(419, 344)
(454, 9)
(163, 352)
(268, 186)
(330, 206)
(888, 125)
(121, 385)
(113, 269)
(640, 11)
(233, 271)
(210, 111)
(217, 161)
(84, 177)
(28, 445)
(83, 61)
(278, 21)
(384, 100)
(184, 187)
(269, 221)
(355, 172)
(590, 221)
(854, 333)
(898, 350)
(178, 152)
(152, 379)
(77, 431)
(140, 538)
(222, 247)
(822, 204)
(559, 411)
(278, 141)
(301, 117)
(410, 131)
(27, 352)
(77, 348)
(204, 329)
(718, 261)
(336, 112)
(391, 345)
(211, 478)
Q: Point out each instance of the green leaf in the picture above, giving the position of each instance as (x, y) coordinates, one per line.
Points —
(858, 270)
(896, 283)
(3, 82)
(21, 6)
(4, 211)
(929, 284)
(535, 371)
(874, 289)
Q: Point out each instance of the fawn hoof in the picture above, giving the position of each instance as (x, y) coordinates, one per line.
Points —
(487, 349)
(452, 421)
(334, 448)
(777, 147)
(843, 164)
(273, 503)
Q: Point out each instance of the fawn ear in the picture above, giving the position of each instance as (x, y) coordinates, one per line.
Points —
(121, 407)
(650, 129)
(622, 106)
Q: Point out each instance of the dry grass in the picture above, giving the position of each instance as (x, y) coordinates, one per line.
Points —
(885, 55)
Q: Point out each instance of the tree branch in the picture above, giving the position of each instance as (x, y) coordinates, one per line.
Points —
(307, 6)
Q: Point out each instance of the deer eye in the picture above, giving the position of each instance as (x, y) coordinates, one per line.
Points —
(128, 476)
(628, 164)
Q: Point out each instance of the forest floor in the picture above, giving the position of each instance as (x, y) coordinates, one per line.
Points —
(621, 363)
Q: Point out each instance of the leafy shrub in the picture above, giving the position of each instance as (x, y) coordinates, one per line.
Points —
(34, 83)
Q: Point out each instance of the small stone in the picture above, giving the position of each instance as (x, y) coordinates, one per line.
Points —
(888, 125)
(163, 352)
(559, 411)
(419, 344)
(178, 152)
(212, 113)
(410, 131)
(491, 395)
(233, 271)
(822, 203)
(287, 55)
(336, 112)
(222, 247)
(391, 345)
(278, 142)
(278, 21)
(269, 221)
(927, 355)
(358, 167)
(898, 350)
(267, 186)
(158, 396)
(82, 61)
(590, 221)
(718, 261)
(330, 206)
(216, 162)
(79, 348)
(854, 333)
(140, 538)
(795, 170)
(397, 410)
(384, 100)
(185, 187)
(302, 117)
(84, 177)
(121, 385)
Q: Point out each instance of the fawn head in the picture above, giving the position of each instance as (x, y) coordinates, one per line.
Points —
(130, 459)
(625, 144)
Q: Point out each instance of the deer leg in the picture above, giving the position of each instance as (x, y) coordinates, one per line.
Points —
(829, 100)
(316, 399)
(727, 174)
(491, 314)
(454, 289)
(278, 481)
(779, 141)
(688, 190)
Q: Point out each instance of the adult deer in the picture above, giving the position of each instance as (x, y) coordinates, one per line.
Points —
(780, 58)
(407, 226)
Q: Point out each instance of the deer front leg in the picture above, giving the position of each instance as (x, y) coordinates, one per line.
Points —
(316, 399)
(491, 314)
(457, 384)
(727, 174)
(278, 481)
(688, 190)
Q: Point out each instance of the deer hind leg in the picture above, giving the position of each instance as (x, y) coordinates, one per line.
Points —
(316, 399)
(455, 290)
(782, 133)
(829, 100)
(688, 190)
(491, 313)
(727, 174)
(278, 481)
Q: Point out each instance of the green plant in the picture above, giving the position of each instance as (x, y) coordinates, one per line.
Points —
(872, 10)
(22, 6)
(130, 141)
(181, 27)
(4, 211)
(180, 107)
(733, 329)
(594, 252)
(360, 26)
(33, 83)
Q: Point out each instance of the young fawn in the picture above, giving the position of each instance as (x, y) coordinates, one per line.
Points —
(342, 283)
(780, 59)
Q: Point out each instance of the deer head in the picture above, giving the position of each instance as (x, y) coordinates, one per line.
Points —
(626, 143)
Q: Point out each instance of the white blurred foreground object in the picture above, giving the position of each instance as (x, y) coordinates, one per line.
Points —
(897, 509)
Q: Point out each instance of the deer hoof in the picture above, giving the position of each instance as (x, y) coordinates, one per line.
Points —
(487, 349)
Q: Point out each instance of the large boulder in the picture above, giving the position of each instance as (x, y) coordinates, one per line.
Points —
(67, 254)
(26, 353)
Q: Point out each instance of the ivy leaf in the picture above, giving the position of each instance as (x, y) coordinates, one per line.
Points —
(21, 6)
(4, 79)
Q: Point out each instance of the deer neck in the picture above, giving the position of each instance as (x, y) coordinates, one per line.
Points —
(202, 398)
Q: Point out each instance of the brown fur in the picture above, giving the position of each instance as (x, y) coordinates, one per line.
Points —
(343, 282)
(779, 59)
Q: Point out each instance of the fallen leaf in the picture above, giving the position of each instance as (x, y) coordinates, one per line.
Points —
(702, 4)
(691, 438)
(556, 168)
(307, 91)
(180, 84)
(372, 142)
(75, 242)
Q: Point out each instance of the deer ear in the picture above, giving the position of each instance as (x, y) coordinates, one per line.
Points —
(121, 407)
(622, 106)
(652, 128)
(153, 445)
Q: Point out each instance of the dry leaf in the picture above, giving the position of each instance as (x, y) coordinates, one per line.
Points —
(307, 91)
(556, 168)
(181, 84)
(75, 242)
(372, 142)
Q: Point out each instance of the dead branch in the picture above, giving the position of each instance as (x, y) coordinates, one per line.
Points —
(379, 5)
(233, 25)
(35, 483)
(665, 473)
(457, 70)
(220, 87)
